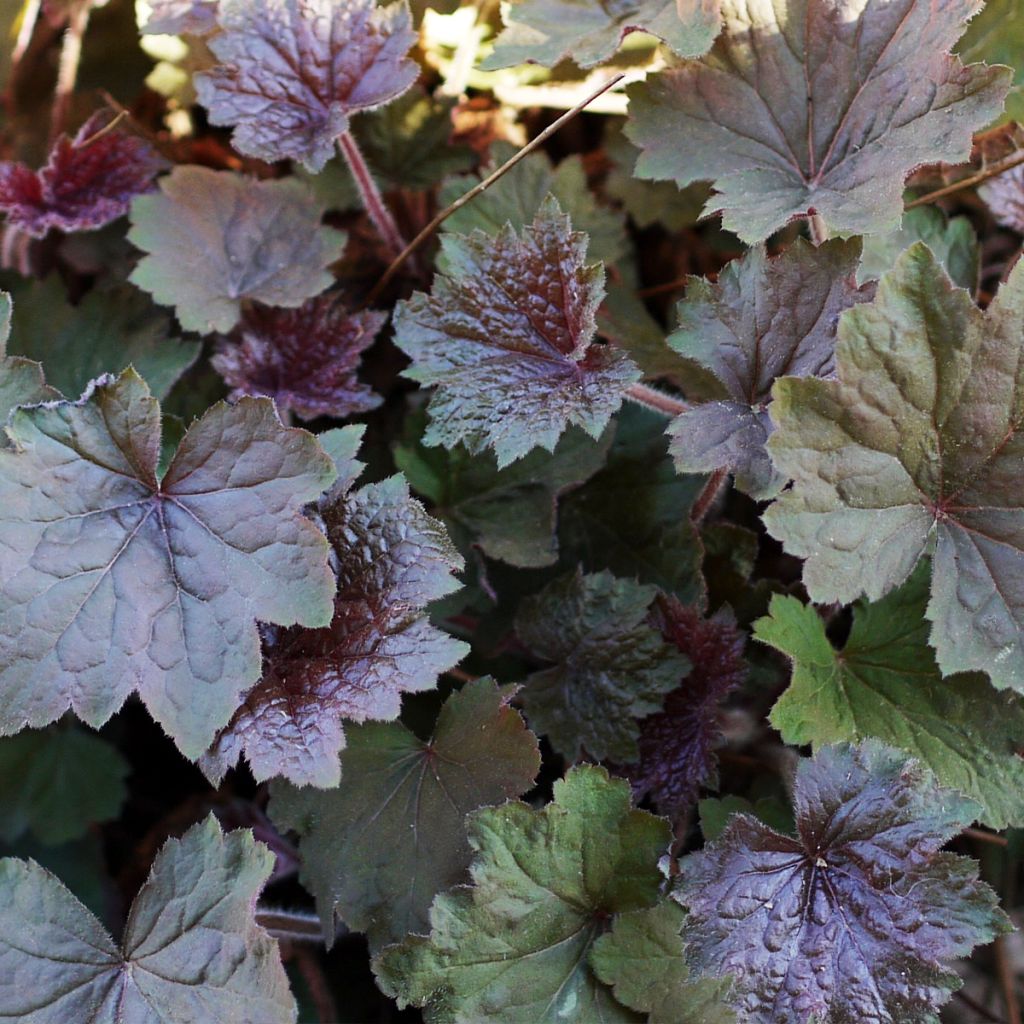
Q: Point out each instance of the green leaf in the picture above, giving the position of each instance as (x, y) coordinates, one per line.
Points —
(107, 332)
(112, 580)
(953, 242)
(611, 666)
(931, 461)
(716, 812)
(511, 513)
(56, 782)
(377, 849)
(21, 380)
(995, 35)
(642, 957)
(191, 951)
(885, 684)
(624, 320)
(513, 947)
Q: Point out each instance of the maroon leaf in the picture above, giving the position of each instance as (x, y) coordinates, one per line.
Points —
(855, 918)
(293, 71)
(87, 182)
(677, 744)
(391, 559)
(305, 359)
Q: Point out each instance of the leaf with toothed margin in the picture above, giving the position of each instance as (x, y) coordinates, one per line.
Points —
(391, 560)
(112, 580)
(548, 31)
(916, 447)
(514, 946)
(377, 849)
(214, 239)
(21, 380)
(817, 106)
(191, 951)
(610, 665)
(858, 916)
(885, 684)
(763, 319)
(292, 72)
(507, 337)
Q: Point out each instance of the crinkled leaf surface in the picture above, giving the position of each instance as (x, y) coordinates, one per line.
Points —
(763, 319)
(377, 849)
(856, 918)
(392, 560)
(931, 459)
(547, 31)
(517, 196)
(513, 947)
(87, 182)
(953, 241)
(305, 359)
(642, 959)
(106, 332)
(214, 238)
(507, 338)
(191, 951)
(114, 581)
(292, 71)
(511, 513)
(610, 665)
(816, 106)
(181, 17)
(884, 683)
(57, 781)
(677, 742)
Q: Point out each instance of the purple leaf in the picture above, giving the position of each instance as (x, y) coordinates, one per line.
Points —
(677, 744)
(293, 71)
(84, 185)
(508, 338)
(856, 918)
(305, 359)
(181, 17)
(392, 560)
(1004, 195)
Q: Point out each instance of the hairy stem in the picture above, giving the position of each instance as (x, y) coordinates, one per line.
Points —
(67, 69)
(1007, 980)
(817, 229)
(295, 925)
(1001, 167)
(29, 17)
(373, 201)
(708, 495)
(396, 264)
(312, 972)
(655, 400)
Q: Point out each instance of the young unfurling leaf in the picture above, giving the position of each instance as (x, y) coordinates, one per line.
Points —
(763, 319)
(191, 952)
(514, 947)
(112, 580)
(855, 918)
(305, 359)
(293, 71)
(87, 182)
(508, 339)
(391, 560)
(214, 239)
(932, 458)
(547, 31)
(377, 849)
(816, 107)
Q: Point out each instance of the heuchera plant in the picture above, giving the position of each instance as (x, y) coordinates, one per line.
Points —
(511, 515)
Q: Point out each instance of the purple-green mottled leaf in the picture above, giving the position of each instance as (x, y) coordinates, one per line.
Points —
(916, 445)
(507, 337)
(548, 31)
(377, 849)
(391, 560)
(763, 319)
(816, 107)
(611, 666)
(214, 239)
(191, 952)
(112, 580)
(291, 72)
(513, 947)
(855, 919)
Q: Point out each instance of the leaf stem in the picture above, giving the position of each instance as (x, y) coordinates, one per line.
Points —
(67, 69)
(312, 973)
(483, 186)
(1007, 980)
(1001, 167)
(372, 199)
(295, 925)
(708, 495)
(986, 837)
(29, 17)
(657, 401)
(817, 229)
